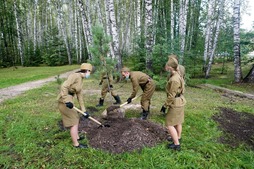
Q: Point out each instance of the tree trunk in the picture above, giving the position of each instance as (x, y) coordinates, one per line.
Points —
(76, 23)
(217, 31)
(64, 33)
(114, 32)
(86, 28)
(250, 76)
(172, 23)
(208, 31)
(35, 26)
(18, 34)
(149, 33)
(237, 54)
(182, 25)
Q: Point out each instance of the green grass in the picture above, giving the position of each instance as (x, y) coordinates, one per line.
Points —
(226, 79)
(31, 137)
(12, 76)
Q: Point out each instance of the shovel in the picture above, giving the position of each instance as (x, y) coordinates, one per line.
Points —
(111, 108)
(94, 120)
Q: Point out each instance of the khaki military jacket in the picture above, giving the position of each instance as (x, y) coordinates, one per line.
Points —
(71, 87)
(138, 79)
(175, 89)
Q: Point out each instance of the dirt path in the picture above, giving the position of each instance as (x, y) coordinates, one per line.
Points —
(13, 91)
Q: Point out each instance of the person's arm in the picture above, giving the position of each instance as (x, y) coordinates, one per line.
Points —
(135, 87)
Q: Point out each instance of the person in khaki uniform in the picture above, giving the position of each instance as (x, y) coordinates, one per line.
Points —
(174, 103)
(70, 88)
(106, 82)
(140, 79)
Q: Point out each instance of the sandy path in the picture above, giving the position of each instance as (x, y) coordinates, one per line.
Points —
(13, 91)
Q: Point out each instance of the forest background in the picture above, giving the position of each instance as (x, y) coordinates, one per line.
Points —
(140, 34)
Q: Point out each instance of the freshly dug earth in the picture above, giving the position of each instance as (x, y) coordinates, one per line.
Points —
(123, 135)
(238, 127)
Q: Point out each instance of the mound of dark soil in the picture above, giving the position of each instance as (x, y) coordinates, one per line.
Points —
(237, 126)
(123, 135)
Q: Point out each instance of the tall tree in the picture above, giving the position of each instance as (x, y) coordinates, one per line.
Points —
(237, 53)
(215, 40)
(62, 27)
(86, 28)
(18, 33)
(149, 33)
(182, 25)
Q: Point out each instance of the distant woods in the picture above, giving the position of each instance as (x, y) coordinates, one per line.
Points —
(60, 32)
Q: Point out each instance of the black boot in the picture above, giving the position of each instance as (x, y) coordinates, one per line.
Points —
(101, 101)
(144, 115)
(118, 100)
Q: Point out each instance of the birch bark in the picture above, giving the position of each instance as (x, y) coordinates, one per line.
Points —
(182, 26)
(208, 30)
(64, 33)
(215, 40)
(86, 28)
(149, 33)
(18, 34)
(237, 54)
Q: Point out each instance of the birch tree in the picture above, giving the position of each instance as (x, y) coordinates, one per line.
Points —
(35, 26)
(18, 34)
(237, 54)
(217, 31)
(208, 31)
(149, 33)
(114, 32)
(86, 28)
(182, 26)
(62, 28)
(172, 23)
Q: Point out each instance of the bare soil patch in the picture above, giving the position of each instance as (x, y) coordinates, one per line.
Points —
(238, 127)
(123, 135)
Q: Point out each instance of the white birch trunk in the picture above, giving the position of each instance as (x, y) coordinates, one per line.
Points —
(217, 31)
(35, 27)
(148, 32)
(138, 19)
(182, 25)
(208, 30)
(18, 34)
(86, 28)
(172, 23)
(64, 33)
(108, 29)
(76, 22)
(99, 13)
(237, 54)
(114, 29)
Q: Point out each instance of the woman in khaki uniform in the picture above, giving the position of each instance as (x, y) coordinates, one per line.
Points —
(106, 82)
(70, 88)
(142, 80)
(175, 103)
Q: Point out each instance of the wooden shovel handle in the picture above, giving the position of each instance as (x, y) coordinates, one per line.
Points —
(131, 99)
(96, 121)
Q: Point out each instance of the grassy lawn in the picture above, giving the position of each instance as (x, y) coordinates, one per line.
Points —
(31, 137)
(225, 79)
(11, 76)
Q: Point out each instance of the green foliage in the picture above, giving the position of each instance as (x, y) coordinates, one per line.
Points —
(54, 52)
(32, 57)
(100, 50)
